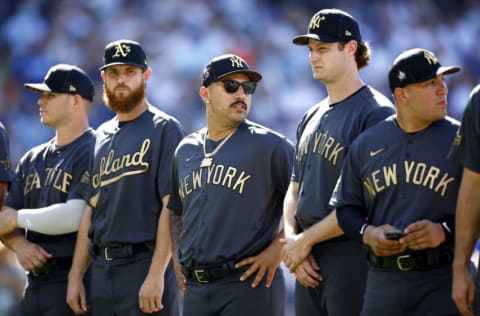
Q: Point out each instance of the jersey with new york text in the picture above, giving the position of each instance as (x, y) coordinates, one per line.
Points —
(399, 178)
(50, 174)
(129, 175)
(465, 148)
(5, 164)
(323, 137)
(232, 209)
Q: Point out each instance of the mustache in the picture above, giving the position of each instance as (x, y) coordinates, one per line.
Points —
(239, 102)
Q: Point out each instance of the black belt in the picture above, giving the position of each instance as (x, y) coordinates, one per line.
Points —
(120, 251)
(418, 260)
(52, 265)
(206, 274)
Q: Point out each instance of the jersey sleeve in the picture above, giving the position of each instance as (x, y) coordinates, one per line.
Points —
(5, 165)
(171, 136)
(282, 161)
(465, 148)
(174, 201)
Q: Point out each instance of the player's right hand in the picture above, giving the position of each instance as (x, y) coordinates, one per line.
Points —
(76, 298)
(463, 290)
(307, 273)
(374, 237)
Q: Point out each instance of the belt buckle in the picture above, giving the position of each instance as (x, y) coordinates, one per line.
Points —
(404, 266)
(200, 275)
(105, 253)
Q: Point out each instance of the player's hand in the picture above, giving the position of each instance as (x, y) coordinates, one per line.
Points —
(8, 221)
(76, 297)
(150, 294)
(295, 250)
(374, 237)
(307, 273)
(31, 255)
(423, 234)
(463, 289)
(265, 262)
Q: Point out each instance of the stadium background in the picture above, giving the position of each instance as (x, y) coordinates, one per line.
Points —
(180, 36)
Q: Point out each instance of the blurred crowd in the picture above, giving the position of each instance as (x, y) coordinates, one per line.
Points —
(180, 36)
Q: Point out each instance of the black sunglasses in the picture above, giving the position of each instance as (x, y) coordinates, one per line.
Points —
(231, 86)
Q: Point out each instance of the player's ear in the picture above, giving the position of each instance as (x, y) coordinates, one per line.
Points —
(203, 92)
(102, 74)
(400, 94)
(147, 73)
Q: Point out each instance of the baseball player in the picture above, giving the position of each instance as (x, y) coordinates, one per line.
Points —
(228, 184)
(44, 202)
(466, 150)
(127, 197)
(315, 247)
(397, 176)
(5, 165)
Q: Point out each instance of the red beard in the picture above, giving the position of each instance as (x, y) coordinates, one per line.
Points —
(123, 104)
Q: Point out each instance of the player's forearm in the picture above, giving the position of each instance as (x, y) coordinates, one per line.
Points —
(289, 206)
(326, 229)
(162, 253)
(175, 230)
(56, 219)
(467, 217)
(14, 239)
(81, 257)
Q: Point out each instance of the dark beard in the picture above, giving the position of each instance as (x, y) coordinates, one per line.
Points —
(123, 104)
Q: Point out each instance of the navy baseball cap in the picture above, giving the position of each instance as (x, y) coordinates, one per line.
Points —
(329, 26)
(64, 78)
(124, 52)
(225, 65)
(416, 65)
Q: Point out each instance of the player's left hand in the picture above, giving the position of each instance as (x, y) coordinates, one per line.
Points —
(294, 251)
(423, 234)
(151, 292)
(8, 221)
(265, 262)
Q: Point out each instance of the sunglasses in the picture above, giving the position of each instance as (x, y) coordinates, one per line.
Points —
(231, 86)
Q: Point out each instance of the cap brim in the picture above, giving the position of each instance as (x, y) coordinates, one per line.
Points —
(122, 63)
(448, 70)
(253, 75)
(303, 39)
(37, 87)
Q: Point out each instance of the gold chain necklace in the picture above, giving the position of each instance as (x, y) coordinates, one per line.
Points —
(207, 160)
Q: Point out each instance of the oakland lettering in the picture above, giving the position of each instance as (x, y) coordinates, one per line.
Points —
(417, 173)
(119, 167)
(229, 177)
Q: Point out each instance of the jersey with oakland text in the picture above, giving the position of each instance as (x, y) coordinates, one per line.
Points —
(129, 175)
(50, 174)
(5, 165)
(399, 178)
(232, 209)
(323, 138)
(465, 148)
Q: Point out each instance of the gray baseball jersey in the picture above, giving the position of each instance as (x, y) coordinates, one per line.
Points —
(232, 209)
(465, 148)
(399, 178)
(5, 165)
(49, 174)
(323, 138)
(129, 176)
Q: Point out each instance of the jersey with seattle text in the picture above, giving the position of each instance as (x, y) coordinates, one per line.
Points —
(399, 178)
(129, 175)
(465, 148)
(50, 174)
(232, 209)
(5, 164)
(323, 137)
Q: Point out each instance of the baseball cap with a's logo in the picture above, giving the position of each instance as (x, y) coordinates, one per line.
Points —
(416, 65)
(64, 78)
(329, 26)
(225, 65)
(124, 52)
